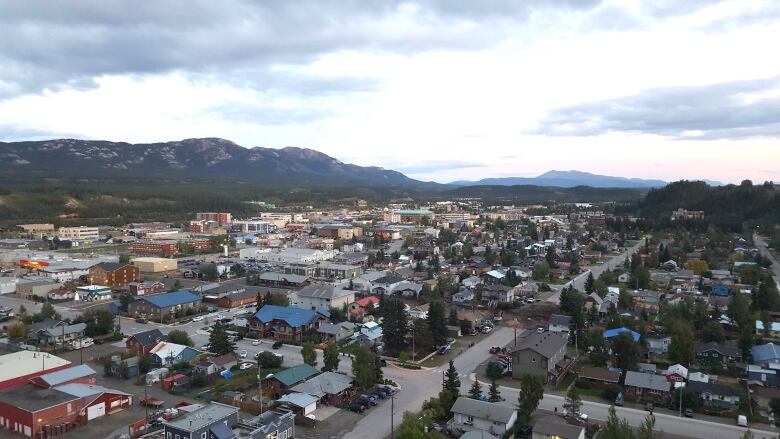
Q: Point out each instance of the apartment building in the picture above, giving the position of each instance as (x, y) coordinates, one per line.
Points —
(81, 233)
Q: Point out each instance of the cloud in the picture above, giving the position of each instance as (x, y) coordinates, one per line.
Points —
(739, 109)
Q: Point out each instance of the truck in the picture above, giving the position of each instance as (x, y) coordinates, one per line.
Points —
(152, 402)
(156, 375)
(742, 421)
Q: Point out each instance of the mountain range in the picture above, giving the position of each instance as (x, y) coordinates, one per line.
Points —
(566, 179)
(211, 158)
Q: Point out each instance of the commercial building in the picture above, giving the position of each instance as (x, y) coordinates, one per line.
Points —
(36, 228)
(165, 306)
(66, 271)
(415, 216)
(27, 289)
(338, 231)
(154, 265)
(169, 247)
(287, 255)
(253, 226)
(92, 292)
(20, 367)
(320, 296)
(81, 233)
(218, 217)
(114, 274)
(145, 288)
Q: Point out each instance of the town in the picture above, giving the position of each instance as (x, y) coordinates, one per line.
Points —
(445, 319)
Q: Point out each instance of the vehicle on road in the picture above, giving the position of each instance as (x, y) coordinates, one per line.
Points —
(530, 300)
(649, 407)
(688, 413)
(81, 344)
(198, 318)
(243, 354)
(141, 319)
(245, 366)
(444, 349)
(486, 329)
(277, 345)
(256, 342)
(742, 421)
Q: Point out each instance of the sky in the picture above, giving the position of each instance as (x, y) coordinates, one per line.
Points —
(441, 90)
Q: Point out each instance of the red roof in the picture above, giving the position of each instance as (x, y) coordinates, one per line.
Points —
(366, 300)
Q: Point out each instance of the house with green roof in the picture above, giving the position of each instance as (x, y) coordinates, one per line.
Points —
(279, 382)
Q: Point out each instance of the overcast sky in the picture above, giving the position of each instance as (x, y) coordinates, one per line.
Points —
(441, 90)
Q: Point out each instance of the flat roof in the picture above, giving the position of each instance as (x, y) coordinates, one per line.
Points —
(33, 399)
(202, 417)
(23, 363)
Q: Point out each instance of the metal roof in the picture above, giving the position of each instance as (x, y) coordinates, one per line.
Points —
(65, 375)
(208, 415)
(171, 299)
(295, 374)
(647, 381)
(326, 383)
(292, 315)
(84, 390)
(483, 410)
(299, 399)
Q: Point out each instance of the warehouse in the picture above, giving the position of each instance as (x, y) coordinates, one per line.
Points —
(154, 265)
(20, 367)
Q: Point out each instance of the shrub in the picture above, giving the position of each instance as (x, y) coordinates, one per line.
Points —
(268, 360)
(610, 393)
(583, 384)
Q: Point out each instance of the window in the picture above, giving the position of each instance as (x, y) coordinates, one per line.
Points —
(203, 436)
(533, 359)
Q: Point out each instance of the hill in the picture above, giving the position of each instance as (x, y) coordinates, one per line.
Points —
(531, 194)
(566, 179)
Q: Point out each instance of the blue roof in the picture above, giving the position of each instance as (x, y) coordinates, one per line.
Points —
(765, 352)
(291, 315)
(171, 299)
(609, 333)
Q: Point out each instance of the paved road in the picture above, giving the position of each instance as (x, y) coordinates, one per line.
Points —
(762, 248)
(579, 281)
(419, 385)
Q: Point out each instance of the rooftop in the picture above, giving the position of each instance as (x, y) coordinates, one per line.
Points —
(552, 427)
(171, 299)
(205, 416)
(483, 409)
(295, 374)
(326, 383)
(321, 291)
(23, 363)
(65, 375)
(32, 399)
(546, 344)
(292, 315)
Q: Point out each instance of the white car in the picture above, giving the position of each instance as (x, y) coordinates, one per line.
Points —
(530, 300)
(256, 342)
(245, 366)
(242, 354)
(198, 318)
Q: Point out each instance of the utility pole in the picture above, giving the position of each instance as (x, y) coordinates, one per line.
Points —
(146, 402)
(392, 418)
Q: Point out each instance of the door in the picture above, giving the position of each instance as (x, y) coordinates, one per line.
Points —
(96, 411)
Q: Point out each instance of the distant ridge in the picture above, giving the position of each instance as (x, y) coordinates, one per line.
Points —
(566, 179)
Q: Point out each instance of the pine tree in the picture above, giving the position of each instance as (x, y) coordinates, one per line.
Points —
(309, 354)
(219, 340)
(394, 325)
(494, 395)
(330, 356)
(437, 323)
(531, 392)
(364, 368)
(259, 302)
(589, 283)
(475, 392)
(573, 402)
(451, 380)
(453, 318)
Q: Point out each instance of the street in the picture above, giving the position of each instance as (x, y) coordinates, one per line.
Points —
(762, 248)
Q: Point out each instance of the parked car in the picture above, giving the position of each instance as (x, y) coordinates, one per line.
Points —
(277, 345)
(742, 421)
(357, 408)
(198, 318)
(256, 342)
(649, 407)
(243, 354)
(141, 320)
(366, 400)
(486, 329)
(688, 413)
(444, 349)
(245, 366)
(205, 347)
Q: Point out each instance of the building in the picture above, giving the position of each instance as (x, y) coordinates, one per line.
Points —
(212, 421)
(92, 293)
(300, 403)
(81, 374)
(169, 247)
(280, 280)
(766, 353)
(645, 384)
(222, 218)
(329, 387)
(286, 322)
(144, 342)
(60, 333)
(20, 367)
(167, 354)
(235, 300)
(414, 216)
(320, 296)
(160, 307)
(599, 375)
(65, 272)
(684, 214)
(335, 332)
(715, 395)
(471, 414)
(611, 333)
(559, 323)
(279, 424)
(281, 381)
(370, 334)
(154, 265)
(145, 288)
(552, 428)
(39, 412)
(339, 231)
(542, 355)
(253, 226)
(713, 352)
(36, 228)
(27, 289)
(113, 274)
(298, 256)
(81, 233)
(677, 373)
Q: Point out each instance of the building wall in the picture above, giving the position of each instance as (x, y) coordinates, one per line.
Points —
(529, 362)
(22, 421)
(315, 303)
(79, 233)
(115, 279)
(142, 307)
(155, 265)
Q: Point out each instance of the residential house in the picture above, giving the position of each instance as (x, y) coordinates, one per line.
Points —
(715, 395)
(764, 376)
(143, 342)
(419, 311)
(542, 355)
(658, 344)
(773, 330)
(472, 282)
(359, 308)
(212, 421)
(599, 376)
(61, 333)
(286, 322)
(329, 387)
(280, 382)
(370, 334)
(92, 293)
(698, 376)
(168, 354)
(647, 368)
(559, 323)
(497, 293)
(386, 284)
(321, 296)
(114, 274)
(648, 301)
(712, 352)
(553, 428)
(225, 361)
(471, 414)
(611, 333)
(336, 332)
(601, 306)
(406, 289)
(463, 296)
(162, 307)
(236, 300)
(528, 289)
(645, 384)
(677, 373)
(302, 404)
(766, 353)
(205, 368)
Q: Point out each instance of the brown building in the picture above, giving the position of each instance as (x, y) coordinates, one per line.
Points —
(169, 247)
(237, 299)
(114, 274)
(339, 232)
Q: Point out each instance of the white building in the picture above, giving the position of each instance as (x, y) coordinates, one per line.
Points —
(471, 414)
(318, 296)
(254, 226)
(299, 256)
(66, 272)
(81, 233)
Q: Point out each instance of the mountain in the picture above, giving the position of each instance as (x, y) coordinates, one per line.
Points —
(211, 158)
(539, 194)
(566, 179)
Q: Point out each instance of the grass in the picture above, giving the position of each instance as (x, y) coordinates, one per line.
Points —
(566, 381)
(438, 360)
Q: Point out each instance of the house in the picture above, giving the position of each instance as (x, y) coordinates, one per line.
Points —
(335, 332)
(497, 293)
(658, 344)
(61, 333)
(698, 376)
(419, 311)
(763, 376)
(559, 323)
(143, 342)
(212, 421)
(494, 277)
(168, 354)
(329, 387)
(529, 289)
(205, 368)
(463, 296)
(542, 355)
(772, 332)
(113, 274)
(611, 333)
(321, 296)
(647, 368)
(370, 334)
(552, 428)
(599, 375)
(677, 373)
(713, 352)
(234, 300)
(360, 308)
(593, 300)
(145, 288)
(715, 395)
(82, 374)
(286, 322)
(386, 284)
(472, 282)
(766, 353)
(92, 293)
(225, 362)
(471, 414)
(281, 381)
(301, 403)
(163, 307)
(409, 290)
(174, 381)
(124, 367)
(647, 384)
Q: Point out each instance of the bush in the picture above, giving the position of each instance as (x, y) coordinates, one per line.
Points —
(583, 384)
(268, 360)
(610, 393)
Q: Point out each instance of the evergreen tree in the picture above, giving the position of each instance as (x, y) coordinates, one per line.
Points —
(615, 428)
(309, 354)
(219, 341)
(259, 302)
(452, 320)
(451, 380)
(423, 339)
(437, 323)
(550, 257)
(330, 356)
(646, 429)
(494, 371)
(531, 392)
(494, 395)
(573, 402)
(394, 325)
(364, 368)
(589, 283)
(475, 392)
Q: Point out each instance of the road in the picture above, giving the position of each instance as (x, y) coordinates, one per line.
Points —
(419, 385)
(762, 248)
(579, 281)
